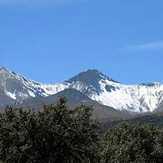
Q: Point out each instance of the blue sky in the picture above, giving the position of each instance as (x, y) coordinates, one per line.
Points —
(52, 40)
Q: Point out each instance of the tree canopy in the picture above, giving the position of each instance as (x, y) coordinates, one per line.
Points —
(62, 135)
(132, 144)
(55, 135)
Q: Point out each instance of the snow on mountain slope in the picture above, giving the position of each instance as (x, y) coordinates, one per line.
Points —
(51, 89)
(92, 83)
(135, 98)
(19, 88)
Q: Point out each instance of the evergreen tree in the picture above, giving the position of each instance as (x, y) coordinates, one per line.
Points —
(132, 144)
(55, 135)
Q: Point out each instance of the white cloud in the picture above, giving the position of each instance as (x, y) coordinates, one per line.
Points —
(158, 45)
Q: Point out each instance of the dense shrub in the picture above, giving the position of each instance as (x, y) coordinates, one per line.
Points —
(55, 135)
(132, 144)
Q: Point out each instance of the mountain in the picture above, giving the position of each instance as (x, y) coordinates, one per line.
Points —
(74, 99)
(135, 98)
(88, 82)
(99, 88)
(15, 88)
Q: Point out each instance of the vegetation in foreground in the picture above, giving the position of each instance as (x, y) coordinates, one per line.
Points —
(60, 135)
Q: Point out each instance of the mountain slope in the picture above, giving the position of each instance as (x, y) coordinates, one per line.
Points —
(154, 119)
(134, 98)
(15, 88)
(74, 99)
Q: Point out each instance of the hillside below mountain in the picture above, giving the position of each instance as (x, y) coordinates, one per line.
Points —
(75, 99)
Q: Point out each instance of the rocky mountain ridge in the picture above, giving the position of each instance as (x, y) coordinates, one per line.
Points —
(141, 98)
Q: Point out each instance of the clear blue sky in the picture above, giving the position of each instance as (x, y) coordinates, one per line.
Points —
(52, 40)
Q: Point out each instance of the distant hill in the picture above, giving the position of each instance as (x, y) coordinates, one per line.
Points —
(155, 119)
(74, 99)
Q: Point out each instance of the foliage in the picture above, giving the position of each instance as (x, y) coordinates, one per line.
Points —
(132, 144)
(55, 135)
(61, 135)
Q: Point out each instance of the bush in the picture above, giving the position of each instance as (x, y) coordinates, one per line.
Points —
(132, 144)
(55, 135)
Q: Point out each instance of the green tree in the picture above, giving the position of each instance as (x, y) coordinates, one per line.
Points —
(132, 144)
(55, 135)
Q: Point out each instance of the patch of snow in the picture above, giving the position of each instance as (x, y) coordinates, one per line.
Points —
(11, 95)
(31, 94)
(51, 89)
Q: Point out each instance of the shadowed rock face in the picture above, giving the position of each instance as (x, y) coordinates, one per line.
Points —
(90, 77)
(160, 108)
(90, 80)
(5, 101)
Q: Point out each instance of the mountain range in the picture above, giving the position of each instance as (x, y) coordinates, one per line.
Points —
(90, 87)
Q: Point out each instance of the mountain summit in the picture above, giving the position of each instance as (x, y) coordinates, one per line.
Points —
(93, 84)
(88, 82)
(89, 76)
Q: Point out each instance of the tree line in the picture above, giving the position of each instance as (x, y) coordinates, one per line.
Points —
(61, 135)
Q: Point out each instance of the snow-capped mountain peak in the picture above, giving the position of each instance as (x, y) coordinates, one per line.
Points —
(88, 82)
(89, 76)
(19, 88)
(3, 69)
(145, 97)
